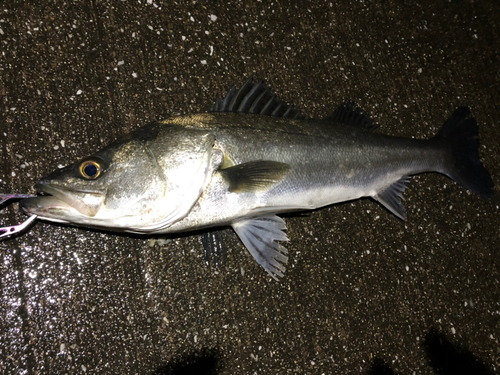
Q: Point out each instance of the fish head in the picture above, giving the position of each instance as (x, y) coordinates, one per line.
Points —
(143, 183)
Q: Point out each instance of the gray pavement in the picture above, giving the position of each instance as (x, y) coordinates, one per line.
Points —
(364, 292)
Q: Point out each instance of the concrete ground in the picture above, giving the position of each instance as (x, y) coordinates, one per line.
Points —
(364, 292)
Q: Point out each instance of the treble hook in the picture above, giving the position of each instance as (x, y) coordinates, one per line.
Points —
(9, 231)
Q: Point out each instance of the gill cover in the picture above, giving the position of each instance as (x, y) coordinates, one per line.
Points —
(186, 171)
(175, 170)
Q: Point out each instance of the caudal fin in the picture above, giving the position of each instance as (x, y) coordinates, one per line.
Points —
(460, 131)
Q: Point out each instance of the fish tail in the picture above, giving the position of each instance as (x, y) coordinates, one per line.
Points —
(461, 132)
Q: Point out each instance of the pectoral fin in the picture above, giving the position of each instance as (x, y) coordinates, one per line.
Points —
(259, 235)
(391, 197)
(254, 176)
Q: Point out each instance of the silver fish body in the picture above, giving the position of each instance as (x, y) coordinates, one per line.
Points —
(241, 169)
(328, 163)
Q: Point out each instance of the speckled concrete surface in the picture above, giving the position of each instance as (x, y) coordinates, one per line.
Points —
(364, 292)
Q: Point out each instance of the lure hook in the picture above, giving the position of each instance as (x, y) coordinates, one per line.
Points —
(9, 231)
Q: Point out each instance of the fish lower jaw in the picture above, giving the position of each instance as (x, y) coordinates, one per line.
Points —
(53, 220)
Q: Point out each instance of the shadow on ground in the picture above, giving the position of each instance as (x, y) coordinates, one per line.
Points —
(447, 358)
(444, 357)
(203, 362)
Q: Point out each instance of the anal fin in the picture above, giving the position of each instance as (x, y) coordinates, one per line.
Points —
(391, 197)
(259, 235)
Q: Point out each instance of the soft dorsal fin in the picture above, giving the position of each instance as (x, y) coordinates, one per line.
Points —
(348, 114)
(391, 197)
(255, 98)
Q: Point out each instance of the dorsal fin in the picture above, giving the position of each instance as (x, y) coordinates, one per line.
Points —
(348, 114)
(255, 98)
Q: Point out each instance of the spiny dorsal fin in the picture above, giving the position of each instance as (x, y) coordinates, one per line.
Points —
(391, 197)
(254, 175)
(259, 235)
(255, 98)
(348, 114)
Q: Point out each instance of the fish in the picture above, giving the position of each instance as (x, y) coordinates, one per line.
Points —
(247, 160)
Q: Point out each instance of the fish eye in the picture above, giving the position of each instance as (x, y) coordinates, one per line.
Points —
(90, 169)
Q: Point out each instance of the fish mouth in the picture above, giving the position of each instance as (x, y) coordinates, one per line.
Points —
(57, 203)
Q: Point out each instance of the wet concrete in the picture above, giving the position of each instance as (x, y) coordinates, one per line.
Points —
(364, 292)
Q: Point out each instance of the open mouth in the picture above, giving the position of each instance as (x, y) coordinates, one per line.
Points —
(45, 190)
(60, 199)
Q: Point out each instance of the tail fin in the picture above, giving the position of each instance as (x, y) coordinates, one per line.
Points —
(460, 131)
